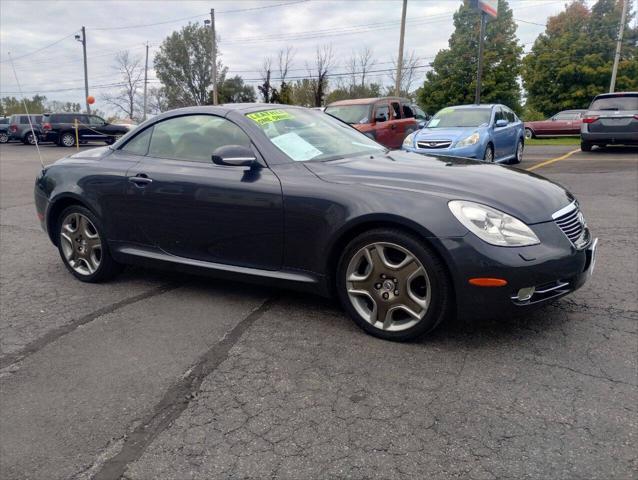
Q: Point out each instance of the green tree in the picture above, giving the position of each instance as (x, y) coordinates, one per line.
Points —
(571, 61)
(345, 92)
(452, 80)
(183, 66)
(234, 90)
(11, 105)
(303, 92)
(57, 106)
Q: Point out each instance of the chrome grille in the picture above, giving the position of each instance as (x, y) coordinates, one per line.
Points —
(434, 143)
(570, 220)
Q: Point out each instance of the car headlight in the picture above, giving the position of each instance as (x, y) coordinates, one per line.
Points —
(493, 226)
(471, 140)
(409, 140)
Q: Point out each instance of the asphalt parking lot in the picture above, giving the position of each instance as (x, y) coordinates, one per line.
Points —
(163, 376)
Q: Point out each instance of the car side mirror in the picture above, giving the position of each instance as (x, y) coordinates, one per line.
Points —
(501, 123)
(234, 156)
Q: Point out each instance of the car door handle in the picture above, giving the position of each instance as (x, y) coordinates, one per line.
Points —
(393, 126)
(140, 180)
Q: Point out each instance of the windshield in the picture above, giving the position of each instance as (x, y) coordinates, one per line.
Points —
(309, 135)
(460, 117)
(350, 113)
(625, 102)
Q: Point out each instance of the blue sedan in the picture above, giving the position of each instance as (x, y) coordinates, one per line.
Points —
(486, 132)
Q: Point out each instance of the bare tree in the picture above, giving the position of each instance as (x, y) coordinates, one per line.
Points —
(266, 88)
(409, 71)
(285, 59)
(365, 62)
(324, 61)
(131, 71)
(157, 100)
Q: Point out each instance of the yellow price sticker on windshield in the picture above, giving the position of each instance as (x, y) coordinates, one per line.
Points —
(269, 116)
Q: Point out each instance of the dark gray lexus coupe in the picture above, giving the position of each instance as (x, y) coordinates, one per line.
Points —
(294, 197)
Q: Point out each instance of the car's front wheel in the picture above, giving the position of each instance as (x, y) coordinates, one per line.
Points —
(4, 137)
(392, 285)
(29, 139)
(585, 147)
(488, 156)
(83, 247)
(518, 156)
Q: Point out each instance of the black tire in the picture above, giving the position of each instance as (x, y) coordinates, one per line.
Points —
(585, 147)
(29, 139)
(4, 137)
(67, 139)
(488, 156)
(108, 267)
(440, 285)
(529, 133)
(110, 140)
(518, 155)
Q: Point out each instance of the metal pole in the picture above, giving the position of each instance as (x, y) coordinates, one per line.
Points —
(397, 88)
(86, 74)
(614, 70)
(145, 82)
(479, 73)
(214, 66)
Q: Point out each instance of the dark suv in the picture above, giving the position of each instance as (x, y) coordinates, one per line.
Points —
(612, 118)
(20, 128)
(60, 128)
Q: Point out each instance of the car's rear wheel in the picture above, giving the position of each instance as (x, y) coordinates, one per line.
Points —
(4, 137)
(529, 133)
(392, 285)
(585, 147)
(83, 247)
(488, 156)
(29, 139)
(518, 157)
(67, 139)
(110, 140)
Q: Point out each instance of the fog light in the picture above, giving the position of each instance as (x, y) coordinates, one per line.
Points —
(526, 293)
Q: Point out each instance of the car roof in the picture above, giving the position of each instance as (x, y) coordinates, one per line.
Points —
(365, 101)
(482, 105)
(616, 94)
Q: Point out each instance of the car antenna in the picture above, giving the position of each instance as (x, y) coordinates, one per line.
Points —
(35, 137)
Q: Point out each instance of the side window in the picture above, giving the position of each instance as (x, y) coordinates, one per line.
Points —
(510, 116)
(562, 116)
(499, 115)
(407, 111)
(138, 145)
(382, 113)
(194, 137)
(420, 114)
(96, 120)
(396, 110)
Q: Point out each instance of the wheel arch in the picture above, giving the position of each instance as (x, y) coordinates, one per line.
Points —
(364, 224)
(57, 206)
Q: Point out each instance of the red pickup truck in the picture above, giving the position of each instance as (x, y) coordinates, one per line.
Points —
(388, 120)
(565, 123)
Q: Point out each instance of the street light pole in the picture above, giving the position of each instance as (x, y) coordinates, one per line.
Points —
(214, 61)
(86, 74)
(479, 74)
(397, 87)
(614, 70)
(145, 81)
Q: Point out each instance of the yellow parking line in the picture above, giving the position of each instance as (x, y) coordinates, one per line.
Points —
(553, 160)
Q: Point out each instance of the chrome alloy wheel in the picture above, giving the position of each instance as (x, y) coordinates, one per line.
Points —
(388, 286)
(81, 244)
(68, 139)
(519, 152)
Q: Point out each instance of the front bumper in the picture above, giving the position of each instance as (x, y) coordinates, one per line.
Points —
(472, 151)
(554, 268)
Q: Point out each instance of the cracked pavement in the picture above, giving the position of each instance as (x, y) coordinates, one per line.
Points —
(163, 376)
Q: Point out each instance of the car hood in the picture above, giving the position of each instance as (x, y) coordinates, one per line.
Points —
(527, 196)
(454, 134)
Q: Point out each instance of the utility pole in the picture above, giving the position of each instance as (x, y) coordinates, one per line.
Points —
(145, 81)
(621, 29)
(214, 66)
(397, 88)
(82, 40)
(479, 74)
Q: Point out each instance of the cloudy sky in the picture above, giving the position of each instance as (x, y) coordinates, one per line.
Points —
(48, 60)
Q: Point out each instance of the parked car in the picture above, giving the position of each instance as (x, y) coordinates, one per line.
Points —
(60, 128)
(20, 128)
(4, 129)
(612, 118)
(565, 123)
(489, 132)
(293, 197)
(388, 120)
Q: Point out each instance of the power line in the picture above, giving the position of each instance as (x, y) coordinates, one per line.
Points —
(42, 48)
